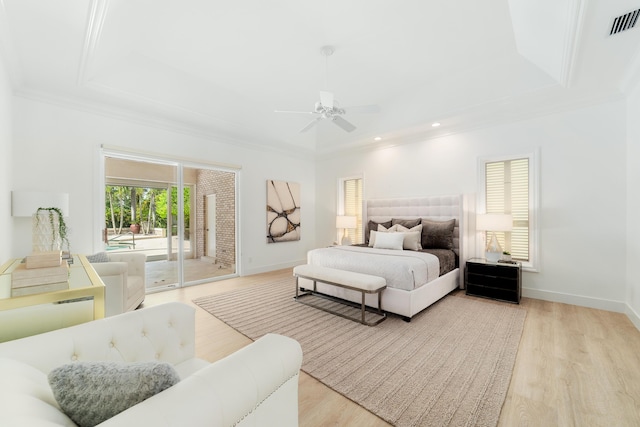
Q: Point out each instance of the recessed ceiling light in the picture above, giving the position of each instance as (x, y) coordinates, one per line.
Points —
(377, 138)
(435, 124)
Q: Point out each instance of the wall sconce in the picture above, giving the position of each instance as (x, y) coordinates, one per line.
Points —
(493, 223)
(346, 222)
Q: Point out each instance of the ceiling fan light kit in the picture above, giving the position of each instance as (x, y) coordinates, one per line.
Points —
(328, 107)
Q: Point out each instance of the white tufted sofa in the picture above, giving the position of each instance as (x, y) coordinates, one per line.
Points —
(255, 386)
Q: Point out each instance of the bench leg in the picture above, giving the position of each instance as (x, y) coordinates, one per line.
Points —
(298, 297)
(297, 287)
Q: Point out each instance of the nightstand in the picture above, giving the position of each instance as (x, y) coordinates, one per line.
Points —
(497, 280)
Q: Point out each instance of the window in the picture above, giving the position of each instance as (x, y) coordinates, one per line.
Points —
(509, 186)
(350, 203)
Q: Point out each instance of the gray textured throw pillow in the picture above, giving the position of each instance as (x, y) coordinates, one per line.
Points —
(99, 257)
(92, 392)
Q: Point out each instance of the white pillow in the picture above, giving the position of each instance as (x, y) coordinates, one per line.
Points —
(412, 240)
(403, 228)
(372, 238)
(413, 237)
(381, 229)
(389, 241)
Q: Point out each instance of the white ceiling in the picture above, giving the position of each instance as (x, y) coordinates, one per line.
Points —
(221, 68)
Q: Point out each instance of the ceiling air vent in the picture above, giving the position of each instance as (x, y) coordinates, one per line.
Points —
(624, 22)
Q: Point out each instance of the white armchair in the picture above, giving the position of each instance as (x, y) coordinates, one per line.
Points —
(124, 280)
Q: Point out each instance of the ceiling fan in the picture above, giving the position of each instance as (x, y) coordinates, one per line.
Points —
(329, 109)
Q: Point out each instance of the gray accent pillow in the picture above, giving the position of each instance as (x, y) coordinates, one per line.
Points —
(92, 392)
(409, 223)
(437, 234)
(99, 257)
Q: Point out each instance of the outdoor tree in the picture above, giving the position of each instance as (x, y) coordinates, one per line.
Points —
(117, 199)
(145, 206)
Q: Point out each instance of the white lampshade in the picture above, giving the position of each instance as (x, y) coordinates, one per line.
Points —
(345, 221)
(494, 222)
(26, 203)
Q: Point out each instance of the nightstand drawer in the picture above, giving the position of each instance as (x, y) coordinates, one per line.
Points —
(500, 294)
(494, 270)
(493, 281)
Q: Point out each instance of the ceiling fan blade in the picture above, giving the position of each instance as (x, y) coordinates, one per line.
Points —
(326, 99)
(362, 109)
(295, 112)
(310, 125)
(340, 122)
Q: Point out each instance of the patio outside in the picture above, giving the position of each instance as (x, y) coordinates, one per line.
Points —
(161, 271)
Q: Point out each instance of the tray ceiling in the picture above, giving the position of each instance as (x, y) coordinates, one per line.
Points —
(221, 68)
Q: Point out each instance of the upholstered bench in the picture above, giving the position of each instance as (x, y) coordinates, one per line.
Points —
(364, 283)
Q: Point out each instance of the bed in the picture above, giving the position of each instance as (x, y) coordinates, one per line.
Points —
(416, 278)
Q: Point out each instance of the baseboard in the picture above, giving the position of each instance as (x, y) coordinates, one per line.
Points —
(267, 268)
(601, 304)
(633, 316)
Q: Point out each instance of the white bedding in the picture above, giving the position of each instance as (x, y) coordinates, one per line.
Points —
(406, 270)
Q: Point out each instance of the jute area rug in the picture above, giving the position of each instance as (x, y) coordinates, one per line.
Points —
(450, 366)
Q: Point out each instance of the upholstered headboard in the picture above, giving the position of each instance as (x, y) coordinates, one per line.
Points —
(437, 208)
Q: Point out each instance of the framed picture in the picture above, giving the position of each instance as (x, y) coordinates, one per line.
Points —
(283, 211)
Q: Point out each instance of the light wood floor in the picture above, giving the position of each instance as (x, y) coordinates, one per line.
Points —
(576, 366)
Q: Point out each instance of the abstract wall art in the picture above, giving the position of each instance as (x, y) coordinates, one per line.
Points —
(283, 211)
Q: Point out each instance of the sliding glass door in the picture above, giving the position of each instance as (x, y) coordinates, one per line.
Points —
(182, 216)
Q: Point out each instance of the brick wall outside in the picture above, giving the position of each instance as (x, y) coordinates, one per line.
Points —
(222, 184)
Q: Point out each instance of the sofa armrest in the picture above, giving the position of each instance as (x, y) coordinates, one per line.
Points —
(110, 268)
(257, 385)
(114, 275)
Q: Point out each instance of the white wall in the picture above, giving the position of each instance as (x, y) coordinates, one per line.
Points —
(585, 155)
(57, 149)
(5, 162)
(633, 206)
(582, 193)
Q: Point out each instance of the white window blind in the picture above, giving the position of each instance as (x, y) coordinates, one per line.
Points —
(352, 205)
(507, 191)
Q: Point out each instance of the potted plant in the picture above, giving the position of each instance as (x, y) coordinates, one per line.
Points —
(506, 256)
(50, 230)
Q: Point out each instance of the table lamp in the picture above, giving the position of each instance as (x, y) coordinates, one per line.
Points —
(346, 222)
(493, 223)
